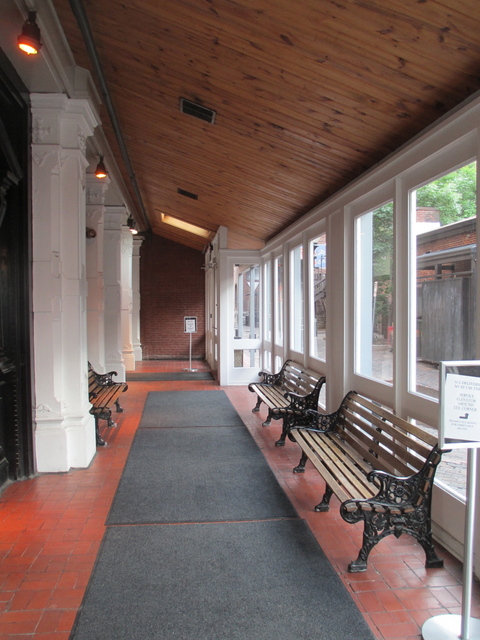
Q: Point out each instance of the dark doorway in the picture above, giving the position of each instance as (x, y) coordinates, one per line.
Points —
(16, 446)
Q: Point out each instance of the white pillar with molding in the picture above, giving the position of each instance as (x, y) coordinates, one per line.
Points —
(127, 344)
(64, 429)
(115, 216)
(136, 300)
(96, 190)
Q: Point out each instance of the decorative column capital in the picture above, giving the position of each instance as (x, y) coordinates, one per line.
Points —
(137, 243)
(115, 217)
(96, 189)
(57, 119)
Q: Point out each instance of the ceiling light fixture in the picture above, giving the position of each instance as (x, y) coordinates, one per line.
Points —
(29, 39)
(100, 171)
(132, 226)
(185, 226)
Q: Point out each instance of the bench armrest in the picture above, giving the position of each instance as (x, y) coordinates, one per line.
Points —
(105, 379)
(308, 419)
(270, 378)
(274, 378)
(308, 401)
(395, 490)
(322, 422)
(404, 490)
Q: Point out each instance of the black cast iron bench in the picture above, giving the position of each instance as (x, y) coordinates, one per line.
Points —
(293, 387)
(103, 393)
(379, 466)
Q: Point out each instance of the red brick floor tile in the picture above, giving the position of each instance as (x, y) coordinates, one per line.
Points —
(51, 527)
(399, 631)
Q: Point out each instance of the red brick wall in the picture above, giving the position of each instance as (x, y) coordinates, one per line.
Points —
(172, 286)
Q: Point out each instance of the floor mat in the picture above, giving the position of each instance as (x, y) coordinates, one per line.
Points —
(224, 581)
(189, 409)
(154, 376)
(197, 474)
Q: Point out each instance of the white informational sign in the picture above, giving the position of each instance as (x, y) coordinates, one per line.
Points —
(459, 404)
(190, 324)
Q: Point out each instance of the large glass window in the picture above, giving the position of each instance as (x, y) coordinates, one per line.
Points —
(279, 301)
(318, 296)
(442, 325)
(296, 299)
(373, 294)
(267, 288)
(246, 313)
(247, 301)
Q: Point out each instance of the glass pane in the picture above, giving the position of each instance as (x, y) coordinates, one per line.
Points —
(268, 302)
(279, 301)
(267, 360)
(247, 301)
(452, 470)
(246, 358)
(443, 214)
(296, 286)
(373, 294)
(319, 293)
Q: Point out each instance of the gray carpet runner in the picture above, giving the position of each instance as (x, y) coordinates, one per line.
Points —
(231, 559)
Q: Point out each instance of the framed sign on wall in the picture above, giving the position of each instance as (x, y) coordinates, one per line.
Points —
(459, 404)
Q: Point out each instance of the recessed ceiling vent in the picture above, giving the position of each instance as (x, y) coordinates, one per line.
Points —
(197, 111)
(187, 194)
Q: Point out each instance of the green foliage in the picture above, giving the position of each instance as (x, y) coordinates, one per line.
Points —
(383, 239)
(454, 195)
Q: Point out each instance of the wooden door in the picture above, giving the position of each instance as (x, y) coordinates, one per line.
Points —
(16, 455)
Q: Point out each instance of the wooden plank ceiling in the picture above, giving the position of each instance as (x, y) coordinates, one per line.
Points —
(308, 95)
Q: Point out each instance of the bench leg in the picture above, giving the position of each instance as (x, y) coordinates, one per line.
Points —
(256, 408)
(370, 539)
(111, 422)
(300, 468)
(288, 420)
(118, 407)
(268, 421)
(324, 505)
(99, 440)
(281, 441)
(432, 561)
(379, 525)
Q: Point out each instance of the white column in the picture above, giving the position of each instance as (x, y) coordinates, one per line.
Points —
(64, 429)
(112, 277)
(127, 344)
(96, 190)
(136, 300)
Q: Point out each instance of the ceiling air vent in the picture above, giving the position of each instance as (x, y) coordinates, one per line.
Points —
(187, 194)
(197, 111)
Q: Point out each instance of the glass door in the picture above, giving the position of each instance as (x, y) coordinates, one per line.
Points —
(240, 334)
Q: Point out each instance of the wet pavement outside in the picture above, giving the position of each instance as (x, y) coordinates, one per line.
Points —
(453, 467)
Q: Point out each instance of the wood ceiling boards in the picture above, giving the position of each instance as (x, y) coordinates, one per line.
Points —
(308, 95)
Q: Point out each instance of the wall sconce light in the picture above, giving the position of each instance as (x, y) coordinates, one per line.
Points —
(132, 226)
(100, 171)
(29, 39)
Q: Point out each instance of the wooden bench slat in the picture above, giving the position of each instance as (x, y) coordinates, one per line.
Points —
(372, 421)
(387, 434)
(419, 433)
(353, 480)
(326, 475)
(379, 457)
